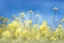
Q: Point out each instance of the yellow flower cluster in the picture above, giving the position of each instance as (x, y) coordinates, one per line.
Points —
(44, 28)
(17, 30)
(6, 34)
(30, 31)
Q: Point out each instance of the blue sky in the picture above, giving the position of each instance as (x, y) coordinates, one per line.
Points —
(42, 7)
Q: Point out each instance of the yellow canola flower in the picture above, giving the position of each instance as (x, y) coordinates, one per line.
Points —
(32, 35)
(17, 19)
(44, 22)
(44, 26)
(6, 34)
(24, 34)
(60, 26)
(1, 30)
(5, 20)
(13, 26)
(3, 25)
(59, 32)
(27, 24)
(44, 29)
(38, 36)
(53, 38)
(25, 31)
(18, 32)
(62, 20)
(47, 34)
(22, 14)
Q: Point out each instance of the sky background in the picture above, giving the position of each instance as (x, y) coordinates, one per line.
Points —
(42, 7)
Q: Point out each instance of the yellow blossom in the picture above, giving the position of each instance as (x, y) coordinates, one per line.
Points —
(6, 34)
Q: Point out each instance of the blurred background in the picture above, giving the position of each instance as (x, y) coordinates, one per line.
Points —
(42, 7)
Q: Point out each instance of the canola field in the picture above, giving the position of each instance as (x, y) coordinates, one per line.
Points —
(24, 31)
